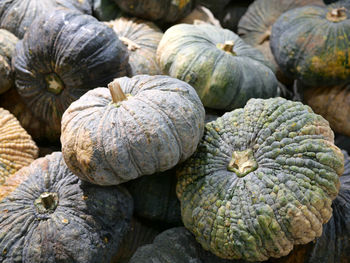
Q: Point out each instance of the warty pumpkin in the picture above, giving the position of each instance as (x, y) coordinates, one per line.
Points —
(217, 63)
(49, 215)
(311, 44)
(262, 180)
(64, 55)
(7, 46)
(143, 125)
(141, 39)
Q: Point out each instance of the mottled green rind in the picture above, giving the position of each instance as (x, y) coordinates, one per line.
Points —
(87, 225)
(222, 80)
(282, 203)
(311, 48)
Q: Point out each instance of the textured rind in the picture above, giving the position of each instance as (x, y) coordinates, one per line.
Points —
(283, 202)
(83, 52)
(7, 46)
(17, 15)
(155, 10)
(222, 80)
(17, 149)
(309, 47)
(146, 35)
(87, 225)
(158, 126)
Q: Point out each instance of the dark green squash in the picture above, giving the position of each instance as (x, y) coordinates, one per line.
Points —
(217, 63)
(17, 15)
(64, 55)
(49, 215)
(7, 46)
(141, 39)
(312, 44)
(109, 138)
(157, 10)
(105, 10)
(262, 180)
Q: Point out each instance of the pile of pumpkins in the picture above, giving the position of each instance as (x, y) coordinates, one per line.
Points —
(174, 131)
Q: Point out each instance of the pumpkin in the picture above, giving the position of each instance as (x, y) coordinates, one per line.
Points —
(17, 15)
(262, 180)
(7, 46)
(39, 130)
(233, 12)
(155, 198)
(198, 15)
(311, 44)
(217, 63)
(109, 138)
(105, 10)
(163, 11)
(334, 244)
(141, 39)
(17, 149)
(49, 215)
(64, 55)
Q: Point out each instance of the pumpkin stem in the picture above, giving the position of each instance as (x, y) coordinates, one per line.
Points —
(132, 46)
(337, 14)
(242, 163)
(54, 83)
(46, 202)
(265, 37)
(227, 47)
(116, 92)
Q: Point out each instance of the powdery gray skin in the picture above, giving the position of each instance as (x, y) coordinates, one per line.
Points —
(87, 225)
(158, 126)
(282, 201)
(222, 80)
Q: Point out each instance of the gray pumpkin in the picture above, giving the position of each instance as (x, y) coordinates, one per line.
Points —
(49, 215)
(109, 140)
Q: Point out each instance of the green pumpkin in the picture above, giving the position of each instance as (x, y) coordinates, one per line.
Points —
(217, 63)
(49, 215)
(109, 138)
(311, 44)
(141, 39)
(7, 47)
(262, 180)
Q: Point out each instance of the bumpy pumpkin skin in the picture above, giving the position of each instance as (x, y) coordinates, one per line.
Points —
(263, 179)
(86, 225)
(222, 79)
(7, 46)
(312, 45)
(64, 55)
(141, 39)
(157, 10)
(17, 149)
(156, 127)
(17, 15)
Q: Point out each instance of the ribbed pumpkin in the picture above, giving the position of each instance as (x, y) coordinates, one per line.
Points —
(105, 10)
(64, 55)
(110, 138)
(17, 149)
(262, 180)
(17, 15)
(141, 39)
(312, 44)
(157, 10)
(217, 63)
(49, 215)
(7, 46)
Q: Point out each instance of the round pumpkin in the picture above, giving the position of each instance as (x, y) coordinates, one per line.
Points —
(64, 55)
(17, 15)
(109, 138)
(49, 215)
(141, 39)
(105, 10)
(262, 180)
(17, 149)
(217, 63)
(311, 44)
(7, 46)
(157, 10)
